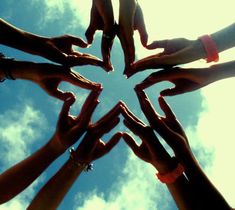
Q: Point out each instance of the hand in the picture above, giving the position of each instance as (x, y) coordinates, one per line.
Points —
(92, 147)
(70, 128)
(102, 18)
(130, 19)
(59, 49)
(49, 76)
(176, 51)
(185, 80)
(168, 127)
(150, 149)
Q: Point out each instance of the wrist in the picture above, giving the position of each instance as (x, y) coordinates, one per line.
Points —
(55, 146)
(171, 171)
(164, 167)
(210, 48)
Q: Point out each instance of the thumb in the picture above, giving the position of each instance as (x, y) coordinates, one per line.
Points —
(157, 44)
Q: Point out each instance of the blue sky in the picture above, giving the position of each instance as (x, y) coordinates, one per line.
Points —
(120, 181)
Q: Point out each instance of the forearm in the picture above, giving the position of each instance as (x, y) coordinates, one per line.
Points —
(126, 14)
(182, 194)
(208, 197)
(225, 38)
(18, 69)
(223, 71)
(105, 9)
(17, 178)
(53, 192)
(180, 189)
(19, 39)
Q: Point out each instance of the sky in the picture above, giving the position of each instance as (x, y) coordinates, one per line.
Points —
(120, 181)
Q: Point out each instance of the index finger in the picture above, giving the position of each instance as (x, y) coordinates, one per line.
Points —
(146, 105)
(114, 112)
(166, 108)
(89, 106)
(78, 80)
(66, 107)
(139, 24)
(78, 41)
(157, 44)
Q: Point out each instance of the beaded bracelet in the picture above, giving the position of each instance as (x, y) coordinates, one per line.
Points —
(86, 166)
(171, 177)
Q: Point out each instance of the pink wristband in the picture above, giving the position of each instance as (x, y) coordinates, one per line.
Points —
(210, 48)
(171, 177)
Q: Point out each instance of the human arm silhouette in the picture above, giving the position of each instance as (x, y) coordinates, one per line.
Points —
(57, 49)
(90, 149)
(69, 129)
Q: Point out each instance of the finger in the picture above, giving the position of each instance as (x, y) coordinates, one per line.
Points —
(114, 112)
(112, 142)
(136, 128)
(88, 108)
(157, 44)
(95, 18)
(145, 104)
(127, 113)
(131, 143)
(154, 62)
(85, 59)
(171, 92)
(106, 46)
(90, 34)
(78, 41)
(154, 78)
(66, 107)
(106, 127)
(78, 80)
(140, 25)
(166, 108)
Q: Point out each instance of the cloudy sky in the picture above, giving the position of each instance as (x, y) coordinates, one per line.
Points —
(120, 181)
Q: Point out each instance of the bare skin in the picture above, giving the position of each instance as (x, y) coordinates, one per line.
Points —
(69, 129)
(90, 149)
(57, 49)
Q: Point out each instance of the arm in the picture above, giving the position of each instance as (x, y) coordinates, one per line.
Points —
(181, 51)
(69, 130)
(47, 76)
(151, 151)
(186, 80)
(57, 49)
(205, 195)
(17, 178)
(90, 149)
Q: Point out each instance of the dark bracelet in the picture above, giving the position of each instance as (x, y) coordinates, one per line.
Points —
(87, 166)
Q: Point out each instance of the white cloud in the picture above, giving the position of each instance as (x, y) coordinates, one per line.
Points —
(137, 188)
(19, 129)
(56, 9)
(215, 131)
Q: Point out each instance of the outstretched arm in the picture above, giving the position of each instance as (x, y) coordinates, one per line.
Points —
(152, 151)
(47, 76)
(69, 130)
(181, 51)
(205, 194)
(186, 80)
(57, 49)
(90, 149)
